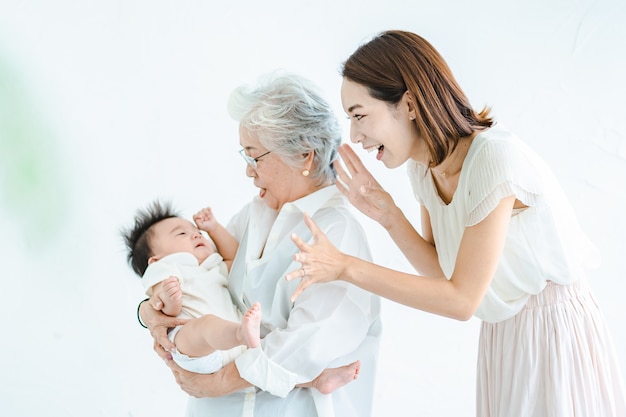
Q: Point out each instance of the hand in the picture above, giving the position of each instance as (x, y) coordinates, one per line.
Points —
(190, 382)
(321, 261)
(169, 292)
(158, 323)
(223, 382)
(205, 220)
(360, 187)
(169, 295)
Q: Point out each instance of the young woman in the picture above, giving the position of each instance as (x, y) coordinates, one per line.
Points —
(498, 239)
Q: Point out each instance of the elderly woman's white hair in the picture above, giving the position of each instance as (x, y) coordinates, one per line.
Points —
(291, 119)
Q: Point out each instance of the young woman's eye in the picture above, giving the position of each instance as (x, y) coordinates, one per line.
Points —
(358, 116)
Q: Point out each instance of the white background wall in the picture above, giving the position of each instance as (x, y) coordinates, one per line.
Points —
(105, 105)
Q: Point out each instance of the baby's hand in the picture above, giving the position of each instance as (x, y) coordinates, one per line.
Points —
(168, 296)
(171, 292)
(205, 220)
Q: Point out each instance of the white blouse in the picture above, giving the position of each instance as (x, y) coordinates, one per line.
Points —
(329, 325)
(544, 241)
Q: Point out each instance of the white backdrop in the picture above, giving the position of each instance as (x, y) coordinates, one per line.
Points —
(106, 105)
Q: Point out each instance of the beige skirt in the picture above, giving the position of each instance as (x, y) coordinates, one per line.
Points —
(554, 358)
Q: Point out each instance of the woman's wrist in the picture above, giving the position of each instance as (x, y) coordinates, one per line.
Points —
(394, 217)
(139, 316)
(231, 380)
(350, 266)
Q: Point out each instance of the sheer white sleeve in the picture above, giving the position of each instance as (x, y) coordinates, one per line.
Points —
(501, 168)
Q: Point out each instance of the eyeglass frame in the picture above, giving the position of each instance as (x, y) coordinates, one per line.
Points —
(252, 162)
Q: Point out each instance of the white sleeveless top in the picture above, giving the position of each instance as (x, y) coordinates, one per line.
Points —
(544, 241)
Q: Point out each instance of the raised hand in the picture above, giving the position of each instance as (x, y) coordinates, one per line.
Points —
(361, 188)
(205, 220)
(321, 261)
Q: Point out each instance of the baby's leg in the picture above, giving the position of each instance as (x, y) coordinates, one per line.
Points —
(206, 334)
(332, 378)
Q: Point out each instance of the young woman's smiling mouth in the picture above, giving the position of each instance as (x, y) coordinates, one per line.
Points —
(380, 148)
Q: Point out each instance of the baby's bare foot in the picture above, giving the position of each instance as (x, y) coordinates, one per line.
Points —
(250, 326)
(332, 378)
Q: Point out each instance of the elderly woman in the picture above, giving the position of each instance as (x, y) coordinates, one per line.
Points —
(289, 138)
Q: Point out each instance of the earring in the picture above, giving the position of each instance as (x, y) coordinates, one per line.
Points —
(411, 117)
(305, 173)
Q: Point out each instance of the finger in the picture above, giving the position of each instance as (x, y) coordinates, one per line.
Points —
(165, 343)
(350, 159)
(173, 322)
(163, 354)
(182, 378)
(172, 285)
(175, 368)
(354, 163)
(301, 244)
(158, 332)
(297, 273)
(159, 328)
(342, 174)
(303, 285)
(159, 302)
(156, 303)
(375, 193)
(342, 188)
(315, 230)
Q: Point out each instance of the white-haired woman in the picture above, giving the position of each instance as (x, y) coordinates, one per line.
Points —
(289, 138)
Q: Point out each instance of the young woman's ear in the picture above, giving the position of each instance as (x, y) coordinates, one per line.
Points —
(153, 259)
(410, 103)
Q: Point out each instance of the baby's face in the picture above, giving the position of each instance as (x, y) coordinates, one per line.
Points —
(179, 235)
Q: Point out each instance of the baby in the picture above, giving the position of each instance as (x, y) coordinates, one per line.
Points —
(180, 267)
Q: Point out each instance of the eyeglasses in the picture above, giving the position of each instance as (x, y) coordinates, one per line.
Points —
(250, 160)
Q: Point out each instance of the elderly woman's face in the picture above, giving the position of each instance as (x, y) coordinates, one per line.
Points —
(278, 182)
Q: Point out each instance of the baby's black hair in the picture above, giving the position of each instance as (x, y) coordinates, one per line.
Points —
(136, 237)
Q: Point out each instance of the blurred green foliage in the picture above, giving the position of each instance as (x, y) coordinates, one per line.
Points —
(33, 187)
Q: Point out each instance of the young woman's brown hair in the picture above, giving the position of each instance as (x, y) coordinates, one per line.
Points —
(396, 62)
